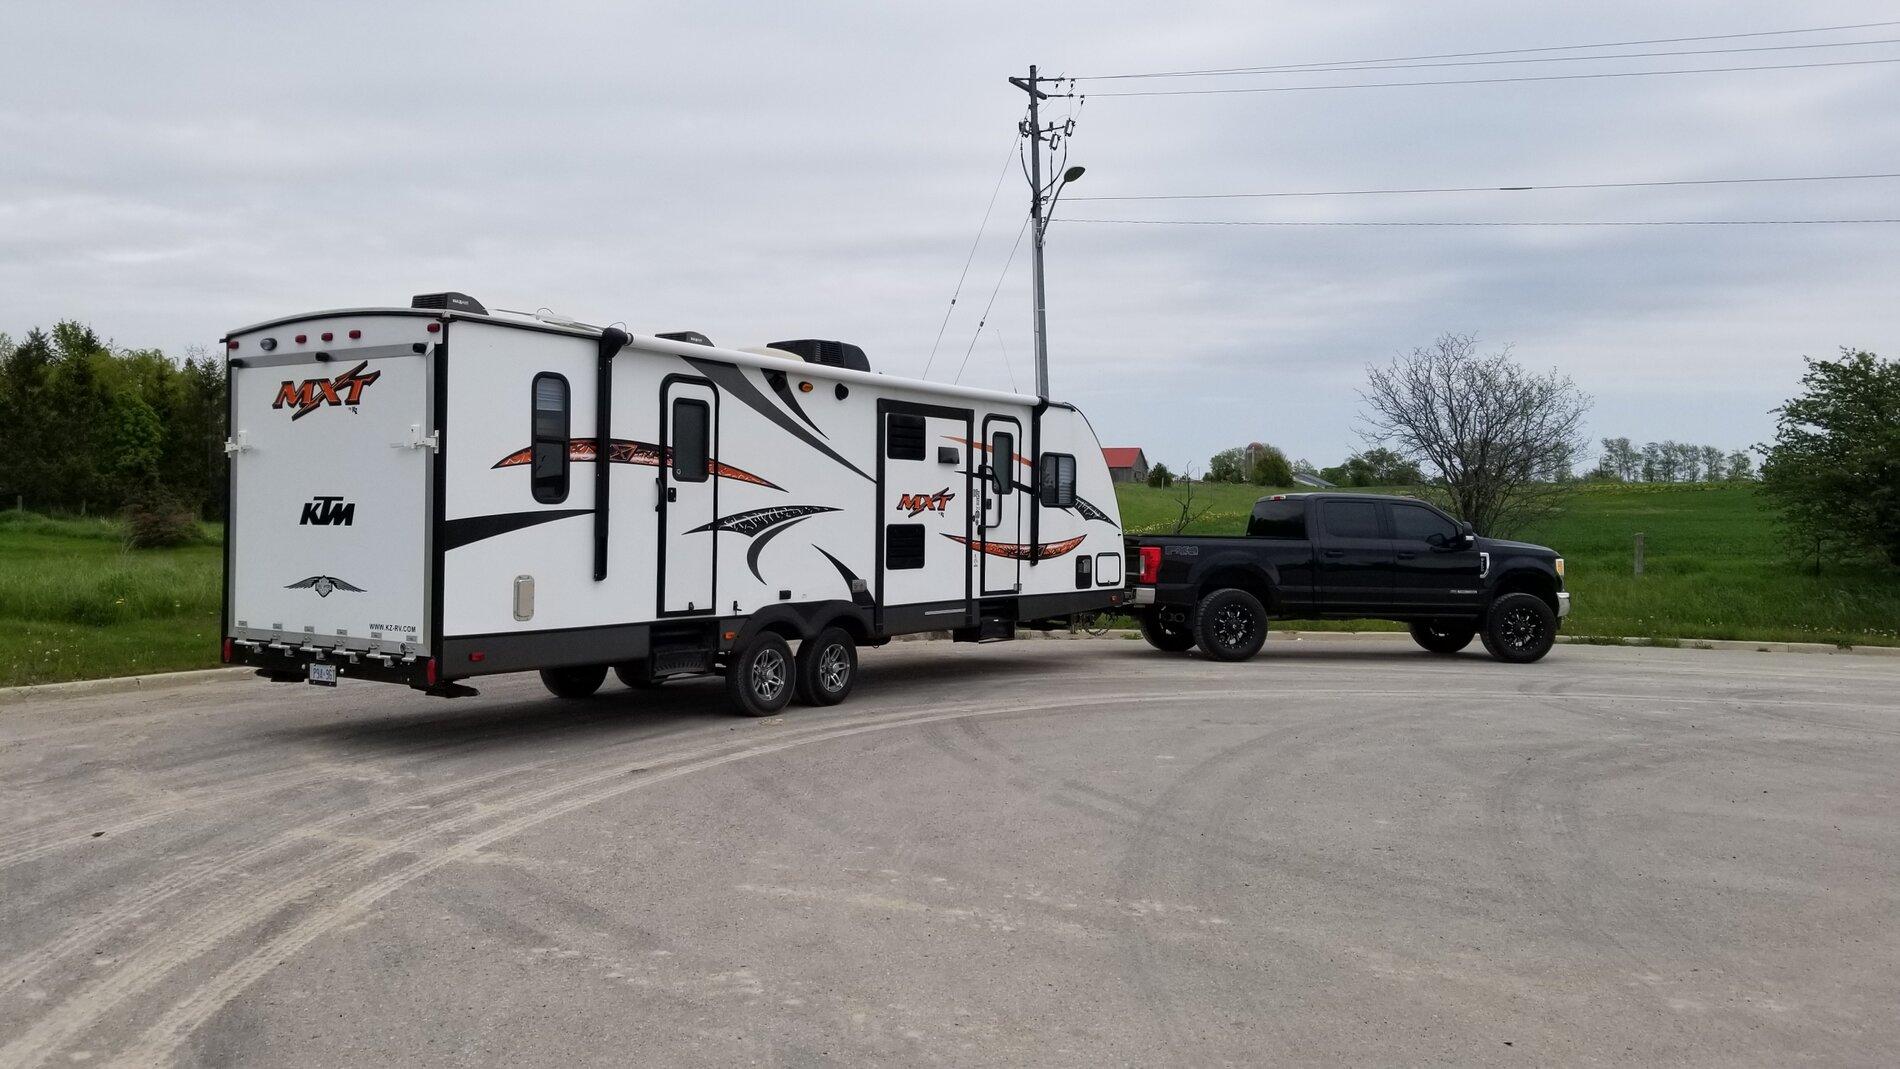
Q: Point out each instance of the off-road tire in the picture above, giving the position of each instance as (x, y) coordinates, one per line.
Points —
(1519, 628)
(1166, 636)
(1443, 638)
(1230, 625)
(827, 667)
(759, 676)
(580, 681)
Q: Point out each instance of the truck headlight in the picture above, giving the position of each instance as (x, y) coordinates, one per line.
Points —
(1560, 567)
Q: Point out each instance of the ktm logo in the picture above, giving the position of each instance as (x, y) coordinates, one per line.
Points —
(917, 504)
(311, 394)
(328, 512)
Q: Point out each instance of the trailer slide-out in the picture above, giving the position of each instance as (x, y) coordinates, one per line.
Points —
(423, 495)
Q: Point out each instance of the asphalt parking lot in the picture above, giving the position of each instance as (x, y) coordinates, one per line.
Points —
(1031, 853)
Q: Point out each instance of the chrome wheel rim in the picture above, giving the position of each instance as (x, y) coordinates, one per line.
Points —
(1232, 626)
(768, 675)
(834, 668)
(1521, 629)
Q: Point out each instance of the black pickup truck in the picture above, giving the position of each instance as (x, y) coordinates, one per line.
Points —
(1346, 557)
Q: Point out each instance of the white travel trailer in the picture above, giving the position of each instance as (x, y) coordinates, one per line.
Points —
(418, 496)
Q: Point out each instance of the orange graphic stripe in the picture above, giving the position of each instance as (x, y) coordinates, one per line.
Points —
(1021, 550)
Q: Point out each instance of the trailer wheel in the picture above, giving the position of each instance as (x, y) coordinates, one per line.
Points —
(759, 677)
(580, 681)
(1443, 638)
(633, 675)
(827, 667)
(1230, 625)
(1166, 629)
(1519, 628)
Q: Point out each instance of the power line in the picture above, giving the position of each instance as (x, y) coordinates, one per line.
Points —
(1492, 189)
(1490, 81)
(958, 292)
(1465, 222)
(1474, 55)
(1020, 231)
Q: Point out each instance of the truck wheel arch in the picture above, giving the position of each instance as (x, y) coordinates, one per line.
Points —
(1527, 581)
(1248, 577)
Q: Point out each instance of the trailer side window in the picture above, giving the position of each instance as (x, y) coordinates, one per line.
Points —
(904, 438)
(1002, 461)
(692, 440)
(549, 460)
(1057, 482)
(903, 546)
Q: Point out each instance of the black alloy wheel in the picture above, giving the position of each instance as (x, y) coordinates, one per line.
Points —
(1166, 628)
(1440, 637)
(1519, 628)
(1230, 625)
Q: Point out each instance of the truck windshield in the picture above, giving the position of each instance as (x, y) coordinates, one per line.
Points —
(1285, 518)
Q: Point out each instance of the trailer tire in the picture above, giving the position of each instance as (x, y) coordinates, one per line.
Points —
(1168, 636)
(1443, 638)
(1230, 624)
(579, 681)
(1519, 628)
(827, 667)
(759, 677)
(633, 675)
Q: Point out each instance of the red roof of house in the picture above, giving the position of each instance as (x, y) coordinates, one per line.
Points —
(1121, 456)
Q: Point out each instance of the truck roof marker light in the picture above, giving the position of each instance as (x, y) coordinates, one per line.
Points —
(1277, 497)
(355, 334)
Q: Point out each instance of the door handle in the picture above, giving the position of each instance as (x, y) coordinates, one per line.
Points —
(1334, 553)
(1408, 556)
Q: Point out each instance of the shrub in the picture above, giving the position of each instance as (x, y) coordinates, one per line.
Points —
(157, 521)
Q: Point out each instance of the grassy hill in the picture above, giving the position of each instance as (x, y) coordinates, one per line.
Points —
(75, 604)
(1713, 567)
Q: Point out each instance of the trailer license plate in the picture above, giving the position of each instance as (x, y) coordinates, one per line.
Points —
(323, 675)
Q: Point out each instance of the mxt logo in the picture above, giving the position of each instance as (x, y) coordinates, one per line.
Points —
(311, 394)
(917, 504)
(322, 511)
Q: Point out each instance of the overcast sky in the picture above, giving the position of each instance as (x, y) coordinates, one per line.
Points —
(769, 170)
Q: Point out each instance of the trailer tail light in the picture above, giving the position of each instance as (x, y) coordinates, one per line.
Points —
(227, 650)
(1150, 564)
(428, 672)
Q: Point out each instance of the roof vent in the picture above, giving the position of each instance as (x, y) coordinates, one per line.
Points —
(690, 337)
(831, 353)
(449, 302)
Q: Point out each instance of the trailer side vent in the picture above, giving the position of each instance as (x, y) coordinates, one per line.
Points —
(830, 353)
(448, 301)
(903, 546)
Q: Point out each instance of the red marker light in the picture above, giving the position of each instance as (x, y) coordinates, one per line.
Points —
(230, 345)
(478, 656)
(355, 334)
(429, 672)
(301, 338)
(435, 328)
(227, 651)
(327, 336)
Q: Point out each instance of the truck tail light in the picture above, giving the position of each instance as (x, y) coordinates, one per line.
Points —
(1150, 564)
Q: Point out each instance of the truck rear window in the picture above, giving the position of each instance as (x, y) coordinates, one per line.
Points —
(1278, 519)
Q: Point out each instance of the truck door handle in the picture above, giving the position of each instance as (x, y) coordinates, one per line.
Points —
(1408, 556)
(1335, 553)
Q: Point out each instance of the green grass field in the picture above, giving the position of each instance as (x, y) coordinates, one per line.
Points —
(75, 604)
(1713, 567)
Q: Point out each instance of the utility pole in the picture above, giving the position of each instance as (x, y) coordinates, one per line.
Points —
(1038, 222)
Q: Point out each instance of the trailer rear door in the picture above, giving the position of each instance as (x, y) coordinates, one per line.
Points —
(331, 469)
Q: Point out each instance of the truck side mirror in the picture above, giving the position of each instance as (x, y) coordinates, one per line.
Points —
(1467, 535)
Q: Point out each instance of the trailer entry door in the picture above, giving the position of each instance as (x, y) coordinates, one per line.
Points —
(689, 496)
(1002, 504)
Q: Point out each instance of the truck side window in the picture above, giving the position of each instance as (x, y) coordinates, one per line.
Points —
(692, 440)
(1002, 461)
(1285, 518)
(548, 458)
(1416, 523)
(1351, 519)
(1057, 482)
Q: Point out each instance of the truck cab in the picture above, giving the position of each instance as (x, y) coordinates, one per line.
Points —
(1342, 557)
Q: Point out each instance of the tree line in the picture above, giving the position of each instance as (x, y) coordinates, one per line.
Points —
(86, 427)
(1671, 462)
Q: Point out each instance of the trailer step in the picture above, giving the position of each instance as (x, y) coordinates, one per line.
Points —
(673, 660)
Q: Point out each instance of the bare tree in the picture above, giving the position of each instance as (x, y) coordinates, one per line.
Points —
(1494, 434)
(1185, 498)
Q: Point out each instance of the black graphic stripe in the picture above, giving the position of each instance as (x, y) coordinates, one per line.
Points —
(758, 544)
(751, 523)
(782, 386)
(860, 592)
(471, 529)
(729, 378)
